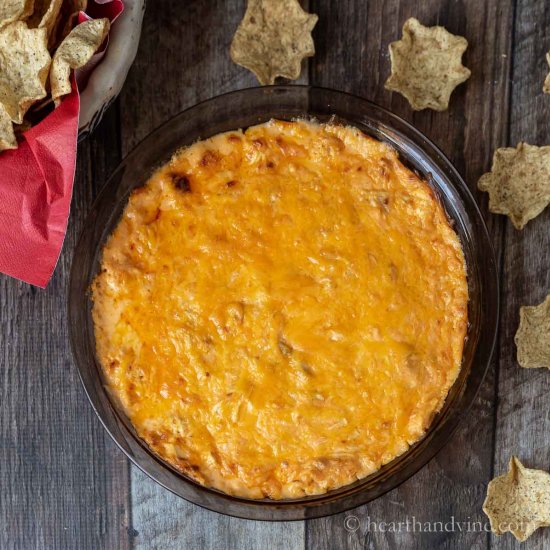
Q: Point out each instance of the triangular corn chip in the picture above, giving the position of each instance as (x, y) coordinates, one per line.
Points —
(24, 65)
(426, 65)
(518, 501)
(519, 182)
(533, 336)
(14, 10)
(74, 52)
(7, 135)
(273, 38)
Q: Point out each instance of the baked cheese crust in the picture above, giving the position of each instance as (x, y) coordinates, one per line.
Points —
(281, 311)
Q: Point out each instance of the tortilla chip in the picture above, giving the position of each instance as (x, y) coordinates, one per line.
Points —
(519, 182)
(71, 6)
(74, 52)
(533, 336)
(78, 5)
(426, 65)
(40, 9)
(7, 135)
(546, 87)
(24, 65)
(273, 38)
(51, 19)
(47, 15)
(69, 23)
(14, 10)
(69, 15)
(518, 501)
(68, 19)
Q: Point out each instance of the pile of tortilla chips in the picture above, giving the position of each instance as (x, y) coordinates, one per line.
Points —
(39, 45)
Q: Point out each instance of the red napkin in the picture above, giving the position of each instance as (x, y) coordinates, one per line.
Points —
(36, 183)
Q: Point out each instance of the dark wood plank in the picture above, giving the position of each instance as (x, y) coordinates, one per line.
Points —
(523, 422)
(183, 59)
(64, 484)
(352, 41)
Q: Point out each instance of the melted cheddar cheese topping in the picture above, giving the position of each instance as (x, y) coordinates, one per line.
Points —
(281, 311)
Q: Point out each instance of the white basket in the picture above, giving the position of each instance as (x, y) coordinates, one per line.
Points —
(108, 77)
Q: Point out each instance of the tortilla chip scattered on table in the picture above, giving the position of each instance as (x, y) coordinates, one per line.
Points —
(546, 87)
(426, 65)
(533, 336)
(24, 65)
(518, 501)
(273, 38)
(74, 52)
(14, 10)
(519, 182)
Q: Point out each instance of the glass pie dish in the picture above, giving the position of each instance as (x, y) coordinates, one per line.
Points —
(242, 109)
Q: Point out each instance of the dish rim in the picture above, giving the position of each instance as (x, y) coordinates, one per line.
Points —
(341, 499)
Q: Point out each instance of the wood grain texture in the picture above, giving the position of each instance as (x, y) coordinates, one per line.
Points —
(63, 482)
(523, 417)
(163, 520)
(453, 484)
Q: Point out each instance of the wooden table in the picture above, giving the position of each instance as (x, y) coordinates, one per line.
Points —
(63, 482)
